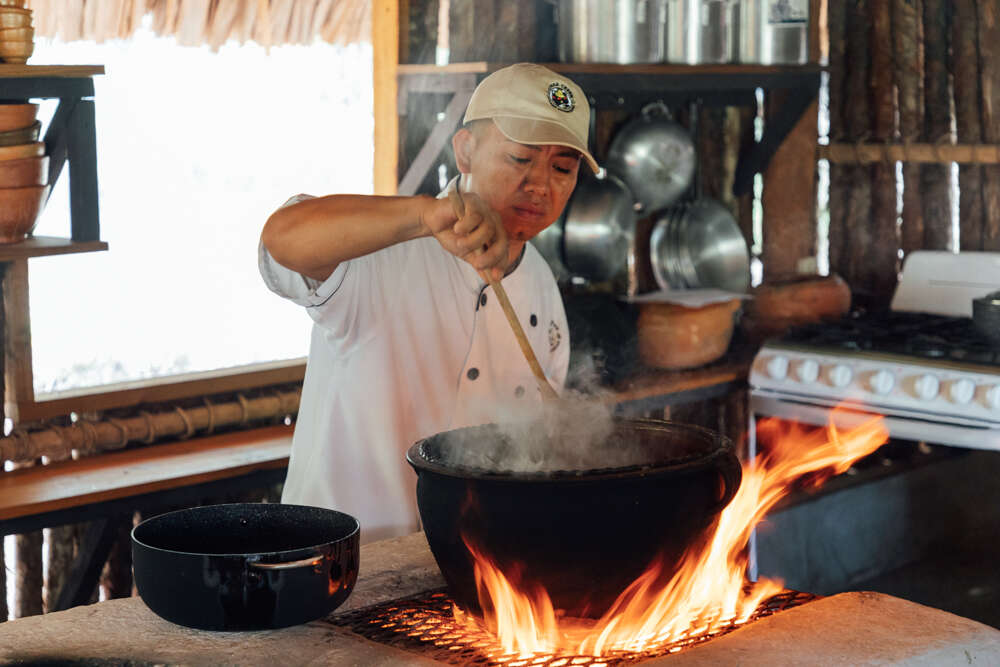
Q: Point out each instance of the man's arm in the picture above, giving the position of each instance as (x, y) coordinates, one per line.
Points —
(312, 237)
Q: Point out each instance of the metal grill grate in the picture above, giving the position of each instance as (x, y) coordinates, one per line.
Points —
(424, 624)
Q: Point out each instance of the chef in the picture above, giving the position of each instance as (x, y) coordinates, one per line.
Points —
(408, 340)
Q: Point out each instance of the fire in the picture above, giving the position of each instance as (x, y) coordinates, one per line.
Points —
(707, 591)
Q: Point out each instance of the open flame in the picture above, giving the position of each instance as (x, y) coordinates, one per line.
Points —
(707, 591)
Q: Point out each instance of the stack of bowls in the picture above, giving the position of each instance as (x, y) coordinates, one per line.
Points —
(24, 171)
(17, 36)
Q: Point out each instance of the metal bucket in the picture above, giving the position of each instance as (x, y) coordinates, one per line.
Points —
(773, 32)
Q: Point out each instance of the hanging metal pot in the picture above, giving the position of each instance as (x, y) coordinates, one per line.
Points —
(654, 156)
(599, 232)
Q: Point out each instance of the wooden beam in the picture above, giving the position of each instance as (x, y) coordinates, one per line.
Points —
(385, 60)
(18, 376)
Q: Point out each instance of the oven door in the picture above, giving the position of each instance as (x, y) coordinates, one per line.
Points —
(902, 424)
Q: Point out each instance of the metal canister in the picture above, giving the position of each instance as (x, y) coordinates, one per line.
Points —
(606, 31)
(699, 31)
(773, 32)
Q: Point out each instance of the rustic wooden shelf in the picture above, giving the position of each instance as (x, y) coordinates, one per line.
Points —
(25, 71)
(41, 246)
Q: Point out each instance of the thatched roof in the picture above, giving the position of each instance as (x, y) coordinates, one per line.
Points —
(212, 22)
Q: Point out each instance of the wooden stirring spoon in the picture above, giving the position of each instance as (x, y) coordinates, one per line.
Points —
(548, 393)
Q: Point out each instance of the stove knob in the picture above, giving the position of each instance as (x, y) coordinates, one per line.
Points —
(807, 371)
(777, 367)
(927, 387)
(961, 391)
(993, 397)
(841, 375)
(882, 382)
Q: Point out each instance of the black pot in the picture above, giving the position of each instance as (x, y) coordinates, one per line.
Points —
(582, 535)
(245, 566)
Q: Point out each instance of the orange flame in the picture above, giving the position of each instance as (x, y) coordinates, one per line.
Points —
(707, 591)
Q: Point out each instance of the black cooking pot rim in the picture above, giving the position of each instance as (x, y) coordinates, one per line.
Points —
(285, 554)
(417, 458)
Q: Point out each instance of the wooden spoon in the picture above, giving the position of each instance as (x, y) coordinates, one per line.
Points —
(548, 393)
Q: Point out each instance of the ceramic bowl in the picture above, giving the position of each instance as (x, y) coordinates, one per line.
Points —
(15, 17)
(16, 52)
(19, 209)
(17, 34)
(17, 116)
(13, 3)
(24, 172)
(19, 151)
(25, 135)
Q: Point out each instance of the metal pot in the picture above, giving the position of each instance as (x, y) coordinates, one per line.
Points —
(699, 31)
(774, 32)
(654, 156)
(600, 229)
(986, 316)
(582, 535)
(699, 245)
(549, 244)
(245, 566)
(608, 31)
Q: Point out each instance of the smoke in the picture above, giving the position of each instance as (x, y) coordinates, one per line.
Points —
(576, 433)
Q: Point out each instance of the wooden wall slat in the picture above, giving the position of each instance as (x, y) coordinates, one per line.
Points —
(934, 179)
(965, 78)
(60, 550)
(839, 174)
(882, 253)
(909, 70)
(989, 85)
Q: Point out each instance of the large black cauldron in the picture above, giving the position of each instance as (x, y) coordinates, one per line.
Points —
(583, 535)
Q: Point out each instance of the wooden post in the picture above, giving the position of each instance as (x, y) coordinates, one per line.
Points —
(839, 174)
(789, 202)
(739, 138)
(989, 85)
(60, 549)
(28, 573)
(385, 57)
(909, 69)
(935, 185)
(882, 253)
(711, 150)
(116, 578)
(4, 612)
(965, 78)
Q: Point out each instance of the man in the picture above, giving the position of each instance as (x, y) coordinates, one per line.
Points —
(408, 339)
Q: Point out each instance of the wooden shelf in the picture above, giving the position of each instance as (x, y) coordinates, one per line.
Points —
(71, 71)
(41, 246)
(661, 69)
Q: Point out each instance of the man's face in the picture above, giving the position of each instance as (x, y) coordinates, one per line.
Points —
(527, 185)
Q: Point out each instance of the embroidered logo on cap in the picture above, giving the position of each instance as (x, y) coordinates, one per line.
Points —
(561, 97)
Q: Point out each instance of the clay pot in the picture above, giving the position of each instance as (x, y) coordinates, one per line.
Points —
(24, 172)
(776, 307)
(15, 17)
(19, 151)
(16, 116)
(19, 209)
(675, 337)
(16, 53)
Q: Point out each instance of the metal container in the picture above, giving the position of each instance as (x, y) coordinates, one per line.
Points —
(654, 156)
(699, 245)
(699, 31)
(599, 233)
(773, 32)
(605, 31)
(549, 244)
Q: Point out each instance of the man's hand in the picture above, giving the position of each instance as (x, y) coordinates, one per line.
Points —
(478, 236)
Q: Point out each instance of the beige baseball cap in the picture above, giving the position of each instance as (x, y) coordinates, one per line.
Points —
(533, 105)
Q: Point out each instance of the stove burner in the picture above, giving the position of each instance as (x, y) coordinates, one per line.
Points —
(907, 334)
(424, 625)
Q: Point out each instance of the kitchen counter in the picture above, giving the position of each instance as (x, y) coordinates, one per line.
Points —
(851, 628)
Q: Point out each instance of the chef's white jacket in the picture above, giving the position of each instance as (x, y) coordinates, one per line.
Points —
(407, 342)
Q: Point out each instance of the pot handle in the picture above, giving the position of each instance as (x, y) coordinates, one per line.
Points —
(312, 561)
(732, 474)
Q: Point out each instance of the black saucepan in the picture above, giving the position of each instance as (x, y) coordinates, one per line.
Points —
(582, 535)
(245, 566)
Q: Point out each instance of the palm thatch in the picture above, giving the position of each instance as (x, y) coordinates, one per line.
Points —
(211, 22)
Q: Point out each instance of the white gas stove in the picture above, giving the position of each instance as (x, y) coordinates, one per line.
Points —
(922, 365)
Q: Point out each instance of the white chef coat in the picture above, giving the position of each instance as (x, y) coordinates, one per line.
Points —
(407, 342)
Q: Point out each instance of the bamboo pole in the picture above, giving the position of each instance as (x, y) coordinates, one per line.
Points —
(91, 437)
(965, 77)
(909, 70)
(935, 185)
(989, 85)
(839, 174)
(918, 153)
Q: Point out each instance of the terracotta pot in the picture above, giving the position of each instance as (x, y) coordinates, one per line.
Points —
(19, 209)
(17, 116)
(19, 151)
(776, 307)
(24, 172)
(674, 337)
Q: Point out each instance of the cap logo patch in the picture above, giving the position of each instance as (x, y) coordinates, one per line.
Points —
(561, 97)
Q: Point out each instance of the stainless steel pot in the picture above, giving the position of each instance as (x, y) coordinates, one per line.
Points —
(607, 31)
(699, 245)
(774, 32)
(599, 232)
(654, 156)
(699, 31)
(549, 243)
